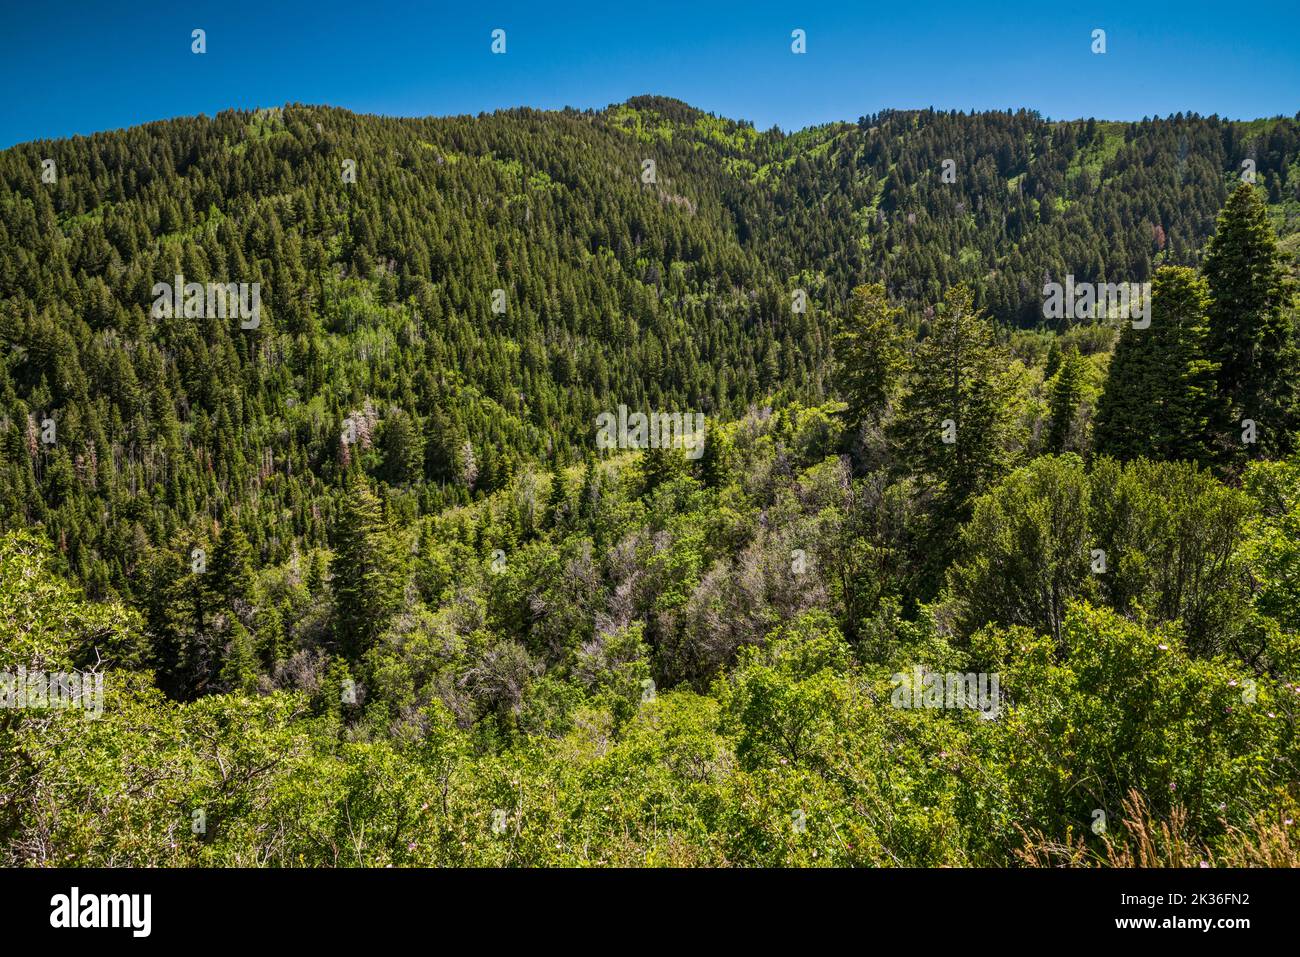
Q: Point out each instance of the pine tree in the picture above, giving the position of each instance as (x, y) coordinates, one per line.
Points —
(715, 460)
(366, 570)
(1159, 400)
(270, 636)
(231, 569)
(557, 501)
(1252, 332)
(402, 448)
(659, 465)
(1064, 397)
(868, 360)
(1122, 427)
(317, 572)
(163, 574)
(957, 420)
(239, 669)
(589, 497)
(1053, 359)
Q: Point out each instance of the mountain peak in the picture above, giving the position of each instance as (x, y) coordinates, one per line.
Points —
(665, 106)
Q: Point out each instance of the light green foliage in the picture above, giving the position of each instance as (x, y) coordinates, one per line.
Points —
(1116, 706)
(1271, 552)
(45, 624)
(795, 758)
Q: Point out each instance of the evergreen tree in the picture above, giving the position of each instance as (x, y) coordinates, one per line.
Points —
(868, 360)
(715, 460)
(957, 421)
(1159, 400)
(231, 568)
(402, 448)
(589, 497)
(1252, 330)
(366, 570)
(1064, 396)
(557, 500)
(270, 636)
(1053, 359)
(239, 667)
(317, 572)
(659, 464)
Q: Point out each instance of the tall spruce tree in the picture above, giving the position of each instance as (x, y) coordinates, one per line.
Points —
(557, 499)
(232, 565)
(957, 421)
(402, 447)
(868, 359)
(366, 570)
(1252, 328)
(1065, 395)
(660, 464)
(715, 459)
(239, 661)
(1159, 401)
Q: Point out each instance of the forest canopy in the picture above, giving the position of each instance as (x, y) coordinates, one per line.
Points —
(363, 588)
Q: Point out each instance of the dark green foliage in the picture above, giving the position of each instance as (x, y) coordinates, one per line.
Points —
(1252, 328)
(1160, 399)
(956, 426)
(716, 458)
(402, 447)
(366, 573)
(232, 566)
(867, 355)
(1064, 398)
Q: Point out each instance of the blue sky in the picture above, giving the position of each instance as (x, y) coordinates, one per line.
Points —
(79, 66)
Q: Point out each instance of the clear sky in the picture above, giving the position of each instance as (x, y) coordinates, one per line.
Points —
(79, 66)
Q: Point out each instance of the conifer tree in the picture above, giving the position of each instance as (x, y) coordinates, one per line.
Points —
(231, 569)
(589, 497)
(956, 423)
(659, 465)
(239, 667)
(868, 360)
(402, 448)
(1053, 359)
(1159, 400)
(715, 460)
(557, 500)
(270, 636)
(1252, 327)
(366, 570)
(1065, 395)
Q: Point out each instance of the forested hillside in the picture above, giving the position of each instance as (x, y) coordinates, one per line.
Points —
(364, 589)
